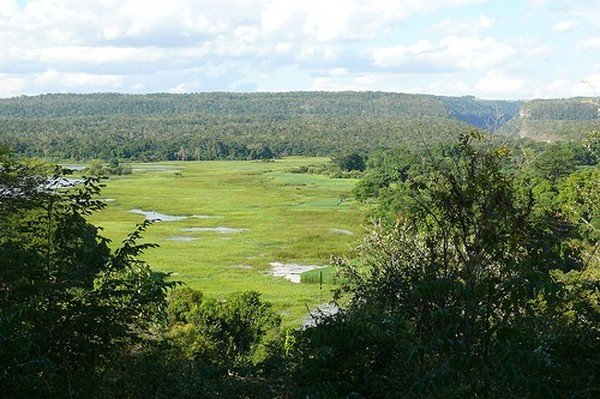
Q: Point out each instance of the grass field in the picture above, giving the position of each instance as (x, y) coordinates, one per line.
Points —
(282, 217)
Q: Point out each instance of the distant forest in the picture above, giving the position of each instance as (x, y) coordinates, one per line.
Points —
(206, 126)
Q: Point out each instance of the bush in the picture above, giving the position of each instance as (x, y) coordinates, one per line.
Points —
(473, 292)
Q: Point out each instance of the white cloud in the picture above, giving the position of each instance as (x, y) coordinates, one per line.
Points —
(97, 55)
(396, 55)
(496, 84)
(592, 84)
(341, 80)
(565, 26)
(7, 8)
(327, 21)
(475, 52)
(140, 45)
(591, 43)
(180, 88)
(78, 80)
(465, 25)
(445, 86)
(452, 52)
(589, 86)
(11, 85)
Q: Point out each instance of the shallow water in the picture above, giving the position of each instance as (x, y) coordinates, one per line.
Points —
(247, 267)
(342, 232)
(74, 166)
(155, 168)
(207, 216)
(290, 271)
(151, 215)
(63, 182)
(218, 229)
(182, 238)
(322, 310)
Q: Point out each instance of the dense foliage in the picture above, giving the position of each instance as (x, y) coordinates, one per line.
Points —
(476, 289)
(68, 304)
(480, 278)
(263, 125)
(112, 167)
(556, 119)
(232, 125)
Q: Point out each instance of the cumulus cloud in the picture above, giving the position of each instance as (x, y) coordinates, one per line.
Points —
(137, 45)
(52, 76)
(445, 86)
(565, 26)
(496, 83)
(361, 81)
(589, 44)
(11, 85)
(450, 53)
(465, 25)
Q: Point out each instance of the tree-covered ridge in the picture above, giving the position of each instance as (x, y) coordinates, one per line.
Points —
(219, 125)
(485, 114)
(216, 137)
(577, 108)
(221, 103)
(556, 119)
(202, 126)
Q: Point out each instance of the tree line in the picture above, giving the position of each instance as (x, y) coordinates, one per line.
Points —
(232, 125)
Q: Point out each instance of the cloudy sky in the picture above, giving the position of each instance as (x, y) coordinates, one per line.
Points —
(509, 49)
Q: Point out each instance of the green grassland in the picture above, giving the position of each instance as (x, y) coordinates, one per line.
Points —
(290, 218)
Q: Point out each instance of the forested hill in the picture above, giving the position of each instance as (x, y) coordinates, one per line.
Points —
(237, 125)
(556, 119)
(467, 109)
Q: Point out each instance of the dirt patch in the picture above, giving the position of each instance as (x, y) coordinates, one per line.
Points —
(245, 267)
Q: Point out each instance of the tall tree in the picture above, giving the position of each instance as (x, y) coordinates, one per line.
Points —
(68, 304)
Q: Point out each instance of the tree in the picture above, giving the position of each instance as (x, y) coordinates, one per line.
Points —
(384, 168)
(224, 333)
(476, 286)
(350, 161)
(68, 304)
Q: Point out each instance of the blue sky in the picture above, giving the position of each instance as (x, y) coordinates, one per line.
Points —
(511, 49)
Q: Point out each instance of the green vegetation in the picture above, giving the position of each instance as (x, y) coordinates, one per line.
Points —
(208, 126)
(556, 119)
(285, 217)
(68, 304)
(477, 288)
(224, 125)
(111, 168)
(326, 275)
(479, 275)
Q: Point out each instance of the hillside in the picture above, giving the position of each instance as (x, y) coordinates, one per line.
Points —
(484, 114)
(258, 125)
(555, 119)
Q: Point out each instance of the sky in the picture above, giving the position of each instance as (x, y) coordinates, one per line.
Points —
(503, 49)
